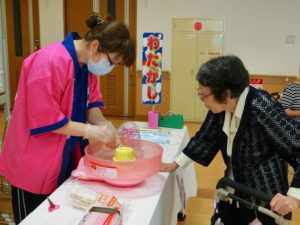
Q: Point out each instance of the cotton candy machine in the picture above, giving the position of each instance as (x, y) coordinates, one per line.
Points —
(126, 166)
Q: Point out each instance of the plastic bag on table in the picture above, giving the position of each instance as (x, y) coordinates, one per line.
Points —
(106, 210)
(129, 130)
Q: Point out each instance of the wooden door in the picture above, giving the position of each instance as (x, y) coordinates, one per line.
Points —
(112, 85)
(75, 13)
(19, 38)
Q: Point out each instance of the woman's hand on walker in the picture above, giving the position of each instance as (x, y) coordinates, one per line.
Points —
(283, 204)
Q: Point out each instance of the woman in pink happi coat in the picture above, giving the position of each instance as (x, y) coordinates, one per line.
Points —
(57, 109)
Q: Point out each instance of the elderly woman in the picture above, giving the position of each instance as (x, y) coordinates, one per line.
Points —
(254, 134)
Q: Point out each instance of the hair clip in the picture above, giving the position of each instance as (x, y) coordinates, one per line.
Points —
(99, 21)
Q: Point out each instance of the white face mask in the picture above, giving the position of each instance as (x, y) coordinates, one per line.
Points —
(100, 68)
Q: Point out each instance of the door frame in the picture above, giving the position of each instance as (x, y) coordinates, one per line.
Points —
(30, 40)
(5, 97)
(131, 72)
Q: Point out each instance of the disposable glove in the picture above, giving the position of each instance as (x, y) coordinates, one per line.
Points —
(104, 132)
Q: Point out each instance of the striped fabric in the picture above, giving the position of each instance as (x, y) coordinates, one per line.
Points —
(291, 97)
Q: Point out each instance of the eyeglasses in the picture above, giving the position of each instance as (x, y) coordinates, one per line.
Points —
(111, 61)
(201, 95)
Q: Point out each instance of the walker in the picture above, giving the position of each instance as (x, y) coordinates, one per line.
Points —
(223, 195)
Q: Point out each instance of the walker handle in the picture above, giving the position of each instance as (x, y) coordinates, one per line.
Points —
(247, 190)
(244, 189)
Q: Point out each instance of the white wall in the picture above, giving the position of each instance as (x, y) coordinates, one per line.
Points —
(254, 30)
(51, 21)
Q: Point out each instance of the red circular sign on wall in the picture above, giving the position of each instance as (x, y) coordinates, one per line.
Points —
(197, 25)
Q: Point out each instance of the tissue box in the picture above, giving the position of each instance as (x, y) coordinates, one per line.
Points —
(171, 120)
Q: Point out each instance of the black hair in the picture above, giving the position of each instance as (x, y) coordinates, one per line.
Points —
(113, 37)
(224, 75)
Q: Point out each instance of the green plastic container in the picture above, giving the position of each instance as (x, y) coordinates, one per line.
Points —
(171, 120)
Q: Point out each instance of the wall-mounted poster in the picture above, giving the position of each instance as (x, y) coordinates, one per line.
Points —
(152, 68)
(257, 83)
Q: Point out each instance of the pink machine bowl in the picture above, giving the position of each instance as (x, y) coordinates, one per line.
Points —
(98, 163)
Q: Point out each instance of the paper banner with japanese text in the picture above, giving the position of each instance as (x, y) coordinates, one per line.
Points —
(152, 68)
